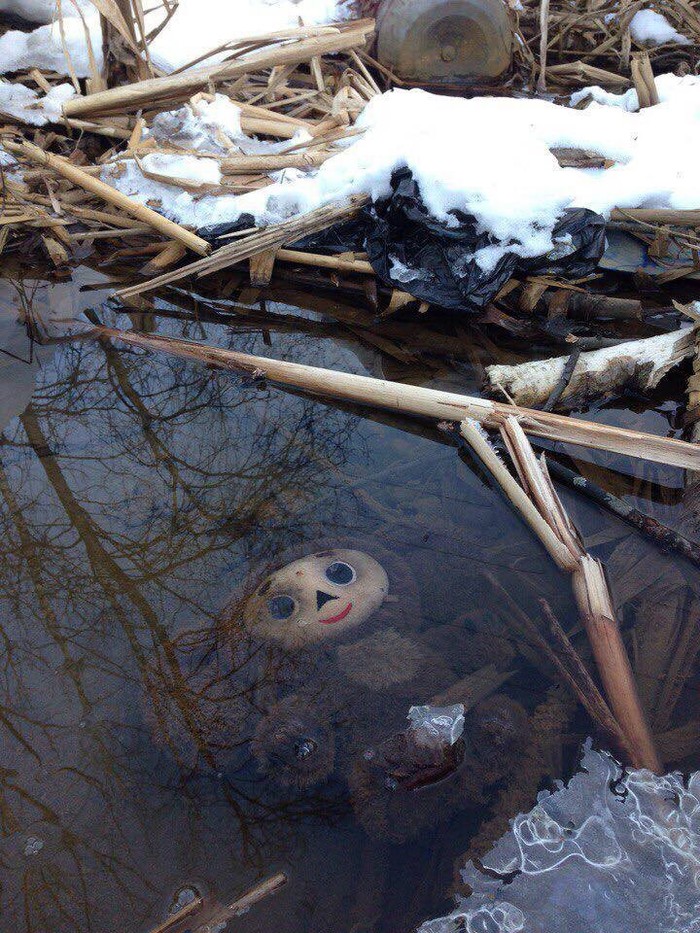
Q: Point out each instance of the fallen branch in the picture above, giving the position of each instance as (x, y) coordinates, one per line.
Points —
(638, 364)
(423, 402)
(666, 537)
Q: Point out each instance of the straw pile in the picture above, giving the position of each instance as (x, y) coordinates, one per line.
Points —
(590, 41)
(306, 78)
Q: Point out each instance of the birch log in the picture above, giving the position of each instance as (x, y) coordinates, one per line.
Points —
(638, 364)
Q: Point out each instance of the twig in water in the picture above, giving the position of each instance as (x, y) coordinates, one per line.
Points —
(563, 381)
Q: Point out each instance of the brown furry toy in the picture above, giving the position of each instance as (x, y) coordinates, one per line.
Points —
(339, 631)
(294, 745)
(399, 785)
(342, 625)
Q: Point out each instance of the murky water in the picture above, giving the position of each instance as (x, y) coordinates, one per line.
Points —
(142, 734)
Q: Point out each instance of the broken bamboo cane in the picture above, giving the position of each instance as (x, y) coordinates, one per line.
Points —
(423, 402)
(155, 221)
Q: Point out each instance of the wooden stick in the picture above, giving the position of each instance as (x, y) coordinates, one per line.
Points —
(178, 918)
(658, 215)
(666, 537)
(250, 898)
(429, 403)
(251, 165)
(153, 91)
(144, 214)
(319, 261)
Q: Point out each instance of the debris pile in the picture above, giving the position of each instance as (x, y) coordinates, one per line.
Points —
(567, 44)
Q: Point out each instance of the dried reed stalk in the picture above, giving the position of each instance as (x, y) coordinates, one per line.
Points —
(422, 402)
(78, 177)
(259, 242)
(153, 93)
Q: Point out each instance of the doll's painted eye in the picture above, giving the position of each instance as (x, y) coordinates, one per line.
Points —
(281, 607)
(340, 573)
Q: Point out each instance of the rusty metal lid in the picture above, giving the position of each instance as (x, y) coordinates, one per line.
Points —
(444, 42)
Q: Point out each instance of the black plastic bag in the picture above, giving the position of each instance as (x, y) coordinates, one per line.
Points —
(413, 251)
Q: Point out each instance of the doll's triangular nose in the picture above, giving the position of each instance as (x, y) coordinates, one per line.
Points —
(323, 598)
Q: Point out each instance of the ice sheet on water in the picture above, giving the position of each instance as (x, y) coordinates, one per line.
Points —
(610, 852)
(437, 724)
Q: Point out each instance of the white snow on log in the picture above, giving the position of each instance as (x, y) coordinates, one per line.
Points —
(641, 363)
(28, 106)
(491, 157)
(648, 27)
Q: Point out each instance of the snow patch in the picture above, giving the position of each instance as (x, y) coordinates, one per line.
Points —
(26, 105)
(648, 27)
(489, 157)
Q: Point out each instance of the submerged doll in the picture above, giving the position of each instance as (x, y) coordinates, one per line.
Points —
(354, 658)
(319, 660)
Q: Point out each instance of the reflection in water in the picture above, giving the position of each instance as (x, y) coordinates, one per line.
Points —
(145, 724)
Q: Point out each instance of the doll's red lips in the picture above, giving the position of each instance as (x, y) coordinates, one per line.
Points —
(341, 615)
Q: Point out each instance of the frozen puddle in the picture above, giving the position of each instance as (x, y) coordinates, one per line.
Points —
(610, 852)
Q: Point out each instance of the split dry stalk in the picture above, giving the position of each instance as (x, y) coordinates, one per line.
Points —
(588, 579)
(422, 402)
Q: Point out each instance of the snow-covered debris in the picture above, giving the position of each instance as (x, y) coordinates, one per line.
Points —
(648, 27)
(183, 168)
(198, 27)
(488, 157)
(211, 128)
(609, 853)
(27, 105)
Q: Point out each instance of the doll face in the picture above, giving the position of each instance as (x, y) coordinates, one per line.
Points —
(317, 598)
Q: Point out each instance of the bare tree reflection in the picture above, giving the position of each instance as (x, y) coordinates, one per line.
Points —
(129, 489)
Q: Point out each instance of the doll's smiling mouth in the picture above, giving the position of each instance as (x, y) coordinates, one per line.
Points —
(341, 615)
